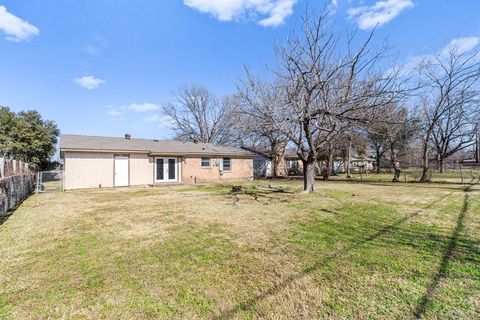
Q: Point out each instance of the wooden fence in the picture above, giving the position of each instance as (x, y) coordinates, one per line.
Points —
(17, 181)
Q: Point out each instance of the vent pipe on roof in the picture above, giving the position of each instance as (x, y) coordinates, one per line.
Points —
(127, 136)
(195, 141)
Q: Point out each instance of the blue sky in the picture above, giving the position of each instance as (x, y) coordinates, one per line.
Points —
(103, 67)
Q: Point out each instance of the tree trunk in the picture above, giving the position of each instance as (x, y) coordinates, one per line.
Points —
(327, 169)
(274, 166)
(424, 177)
(278, 160)
(377, 162)
(349, 169)
(278, 150)
(441, 164)
(396, 177)
(396, 168)
(308, 176)
(477, 145)
(330, 163)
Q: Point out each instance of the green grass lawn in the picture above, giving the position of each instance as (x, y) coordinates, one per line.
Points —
(351, 250)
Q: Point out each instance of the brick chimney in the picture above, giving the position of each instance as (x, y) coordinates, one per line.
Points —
(127, 136)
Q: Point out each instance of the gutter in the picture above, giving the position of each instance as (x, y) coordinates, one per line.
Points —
(177, 154)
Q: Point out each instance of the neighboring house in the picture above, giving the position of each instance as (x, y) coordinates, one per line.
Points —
(358, 164)
(262, 163)
(97, 162)
(262, 166)
(293, 164)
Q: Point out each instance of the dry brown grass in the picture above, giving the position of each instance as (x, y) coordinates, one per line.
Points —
(350, 250)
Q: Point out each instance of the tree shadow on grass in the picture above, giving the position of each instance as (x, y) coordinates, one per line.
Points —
(4, 217)
(250, 304)
(442, 270)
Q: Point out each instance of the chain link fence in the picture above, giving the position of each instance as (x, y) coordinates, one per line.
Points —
(456, 174)
(49, 181)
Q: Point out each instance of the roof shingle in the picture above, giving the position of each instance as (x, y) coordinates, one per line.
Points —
(169, 147)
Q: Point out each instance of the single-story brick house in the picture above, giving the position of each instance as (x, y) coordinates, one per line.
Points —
(97, 162)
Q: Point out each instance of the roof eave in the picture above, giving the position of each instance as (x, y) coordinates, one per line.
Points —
(102, 150)
(177, 154)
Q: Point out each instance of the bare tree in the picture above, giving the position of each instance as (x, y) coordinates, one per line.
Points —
(377, 133)
(197, 115)
(453, 132)
(400, 130)
(390, 133)
(451, 95)
(257, 119)
(328, 89)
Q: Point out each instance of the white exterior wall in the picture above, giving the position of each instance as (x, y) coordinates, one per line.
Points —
(141, 169)
(88, 170)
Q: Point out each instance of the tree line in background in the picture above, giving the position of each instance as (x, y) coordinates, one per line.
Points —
(26, 136)
(328, 93)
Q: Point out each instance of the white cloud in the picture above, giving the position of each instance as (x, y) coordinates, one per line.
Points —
(141, 107)
(115, 112)
(410, 65)
(161, 121)
(15, 28)
(89, 82)
(461, 45)
(268, 13)
(135, 107)
(332, 6)
(96, 46)
(91, 49)
(368, 17)
(153, 118)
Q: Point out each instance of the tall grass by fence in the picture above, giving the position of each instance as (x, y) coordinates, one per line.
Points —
(49, 181)
(17, 181)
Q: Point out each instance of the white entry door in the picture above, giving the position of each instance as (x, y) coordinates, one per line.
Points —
(165, 169)
(121, 171)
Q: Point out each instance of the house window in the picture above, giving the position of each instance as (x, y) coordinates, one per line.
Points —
(227, 165)
(294, 164)
(205, 162)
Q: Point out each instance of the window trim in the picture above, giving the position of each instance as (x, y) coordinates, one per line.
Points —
(166, 163)
(229, 162)
(209, 162)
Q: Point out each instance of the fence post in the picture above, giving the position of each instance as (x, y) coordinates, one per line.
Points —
(38, 183)
(461, 174)
(2, 167)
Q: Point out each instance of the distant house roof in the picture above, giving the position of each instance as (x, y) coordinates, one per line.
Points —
(72, 142)
(360, 158)
(288, 154)
(291, 154)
